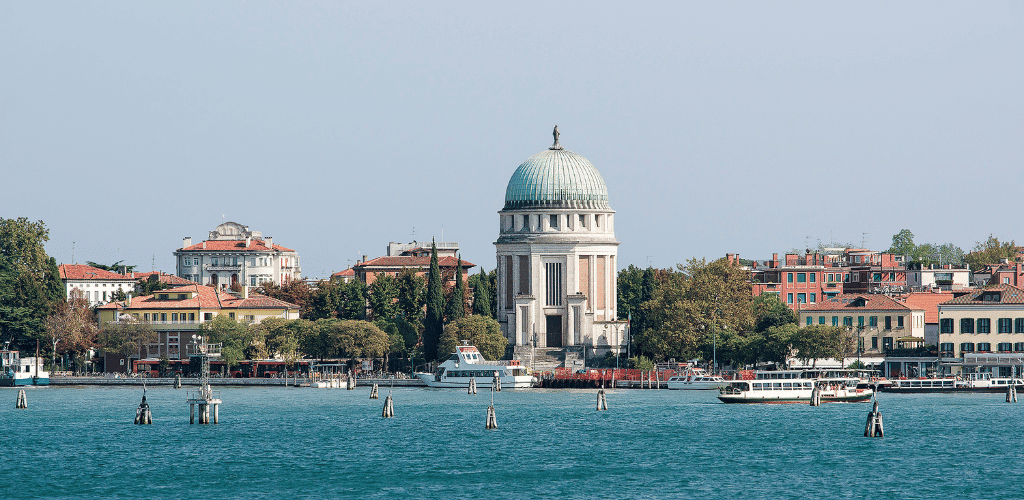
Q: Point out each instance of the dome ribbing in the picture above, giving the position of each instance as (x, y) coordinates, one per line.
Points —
(556, 178)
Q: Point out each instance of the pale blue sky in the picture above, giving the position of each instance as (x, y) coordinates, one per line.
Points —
(747, 127)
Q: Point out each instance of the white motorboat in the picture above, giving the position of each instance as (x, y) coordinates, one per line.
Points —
(18, 371)
(696, 379)
(466, 363)
(794, 386)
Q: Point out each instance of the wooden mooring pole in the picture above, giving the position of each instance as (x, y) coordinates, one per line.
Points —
(1011, 393)
(389, 407)
(873, 428)
(143, 415)
(816, 395)
(22, 402)
(472, 386)
(602, 401)
(373, 392)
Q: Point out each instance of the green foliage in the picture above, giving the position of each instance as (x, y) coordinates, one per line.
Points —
(151, 285)
(292, 291)
(357, 339)
(481, 294)
(71, 329)
(635, 288)
(926, 253)
(455, 309)
(991, 251)
(383, 297)
(642, 363)
(353, 300)
(30, 285)
(769, 311)
(125, 337)
(433, 323)
(325, 300)
(400, 329)
(492, 280)
(410, 296)
(234, 335)
(480, 331)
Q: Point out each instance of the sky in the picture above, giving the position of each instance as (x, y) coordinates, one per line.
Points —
(337, 127)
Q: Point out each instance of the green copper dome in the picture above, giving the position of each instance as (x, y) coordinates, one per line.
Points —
(556, 178)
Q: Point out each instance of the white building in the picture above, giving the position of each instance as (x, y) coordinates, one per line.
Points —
(557, 255)
(97, 285)
(944, 277)
(234, 254)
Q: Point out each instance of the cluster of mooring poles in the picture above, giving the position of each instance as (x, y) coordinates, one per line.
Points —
(496, 383)
(177, 381)
(22, 402)
(351, 382)
(389, 407)
(602, 401)
(472, 386)
(816, 395)
(873, 428)
(492, 418)
(143, 415)
(1011, 393)
(373, 392)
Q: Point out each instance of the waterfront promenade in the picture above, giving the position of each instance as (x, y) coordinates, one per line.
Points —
(224, 382)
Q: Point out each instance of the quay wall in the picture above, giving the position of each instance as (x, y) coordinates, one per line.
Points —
(222, 382)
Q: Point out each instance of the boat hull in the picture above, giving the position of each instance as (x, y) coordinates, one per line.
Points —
(695, 386)
(19, 382)
(793, 398)
(482, 383)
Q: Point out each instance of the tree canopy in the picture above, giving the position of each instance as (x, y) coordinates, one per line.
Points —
(480, 331)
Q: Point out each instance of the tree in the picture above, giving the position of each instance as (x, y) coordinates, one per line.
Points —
(433, 323)
(635, 287)
(151, 284)
(292, 291)
(353, 300)
(126, 336)
(71, 326)
(235, 337)
(482, 295)
(383, 297)
(358, 339)
(116, 267)
(903, 243)
(492, 282)
(480, 331)
(991, 251)
(325, 300)
(30, 285)
(456, 307)
(769, 311)
(402, 335)
(410, 296)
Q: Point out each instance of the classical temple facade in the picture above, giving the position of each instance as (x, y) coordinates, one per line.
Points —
(556, 255)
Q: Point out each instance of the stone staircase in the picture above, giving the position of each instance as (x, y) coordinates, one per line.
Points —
(541, 359)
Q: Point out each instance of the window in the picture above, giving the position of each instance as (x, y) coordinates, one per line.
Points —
(583, 220)
(830, 277)
(174, 317)
(835, 320)
(252, 281)
(984, 325)
(181, 296)
(873, 321)
(874, 342)
(231, 315)
(207, 316)
(1018, 325)
(813, 277)
(145, 316)
(1004, 325)
(553, 221)
(789, 277)
(846, 277)
(847, 320)
(163, 317)
(810, 320)
(946, 326)
(899, 321)
(1018, 346)
(814, 297)
(946, 347)
(1006, 281)
(821, 320)
(877, 277)
(801, 277)
(191, 317)
(801, 298)
(789, 297)
(553, 270)
(1005, 347)
(966, 326)
(860, 321)
(213, 261)
(984, 346)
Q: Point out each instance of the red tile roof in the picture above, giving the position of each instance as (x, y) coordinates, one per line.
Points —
(170, 279)
(348, 273)
(929, 302)
(411, 261)
(872, 302)
(1009, 295)
(202, 297)
(233, 246)
(84, 272)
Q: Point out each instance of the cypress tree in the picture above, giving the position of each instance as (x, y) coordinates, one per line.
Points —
(433, 323)
(457, 303)
(482, 295)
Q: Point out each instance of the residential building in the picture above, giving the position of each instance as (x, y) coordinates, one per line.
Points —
(796, 280)
(875, 272)
(983, 331)
(1004, 273)
(944, 277)
(344, 276)
(98, 286)
(882, 323)
(929, 302)
(176, 313)
(234, 254)
(367, 271)
(444, 249)
(556, 254)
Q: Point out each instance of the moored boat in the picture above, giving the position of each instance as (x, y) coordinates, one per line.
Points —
(971, 382)
(696, 379)
(794, 386)
(466, 363)
(17, 371)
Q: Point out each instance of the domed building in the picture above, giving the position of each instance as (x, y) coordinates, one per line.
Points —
(556, 256)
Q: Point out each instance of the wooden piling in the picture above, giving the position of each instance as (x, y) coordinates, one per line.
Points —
(389, 408)
(496, 383)
(351, 382)
(177, 381)
(472, 386)
(22, 402)
(1011, 393)
(816, 395)
(492, 419)
(874, 427)
(191, 413)
(143, 415)
(602, 401)
(373, 392)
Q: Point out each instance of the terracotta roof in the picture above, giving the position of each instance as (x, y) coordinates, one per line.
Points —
(857, 301)
(411, 261)
(202, 297)
(170, 279)
(84, 272)
(233, 246)
(346, 273)
(1009, 294)
(929, 302)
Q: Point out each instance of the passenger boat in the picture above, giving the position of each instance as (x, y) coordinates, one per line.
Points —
(971, 382)
(466, 363)
(795, 386)
(15, 370)
(696, 379)
(328, 376)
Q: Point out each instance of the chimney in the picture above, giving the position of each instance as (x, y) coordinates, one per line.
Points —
(248, 241)
(775, 260)
(365, 259)
(204, 245)
(186, 242)
(128, 303)
(245, 291)
(270, 242)
(728, 257)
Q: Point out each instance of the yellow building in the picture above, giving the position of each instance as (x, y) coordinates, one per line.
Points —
(882, 323)
(175, 314)
(983, 331)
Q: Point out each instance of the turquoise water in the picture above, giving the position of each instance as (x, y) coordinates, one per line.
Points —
(290, 443)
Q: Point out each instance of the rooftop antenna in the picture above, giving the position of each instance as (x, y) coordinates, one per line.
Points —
(414, 233)
(442, 233)
(153, 263)
(73, 253)
(863, 239)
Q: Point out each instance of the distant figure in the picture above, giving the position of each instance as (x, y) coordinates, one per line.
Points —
(556, 134)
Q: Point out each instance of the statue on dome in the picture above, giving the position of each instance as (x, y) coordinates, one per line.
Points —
(556, 134)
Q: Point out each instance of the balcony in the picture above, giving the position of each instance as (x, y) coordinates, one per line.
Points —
(222, 267)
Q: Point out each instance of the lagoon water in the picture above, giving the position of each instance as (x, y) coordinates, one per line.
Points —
(292, 443)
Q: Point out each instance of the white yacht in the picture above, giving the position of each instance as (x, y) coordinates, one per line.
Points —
(794, 386)
(467, 363)
(696, 379)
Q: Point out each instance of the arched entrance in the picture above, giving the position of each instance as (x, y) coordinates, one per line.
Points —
(213, 279)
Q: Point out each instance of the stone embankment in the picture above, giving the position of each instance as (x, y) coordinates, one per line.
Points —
(237, 382)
